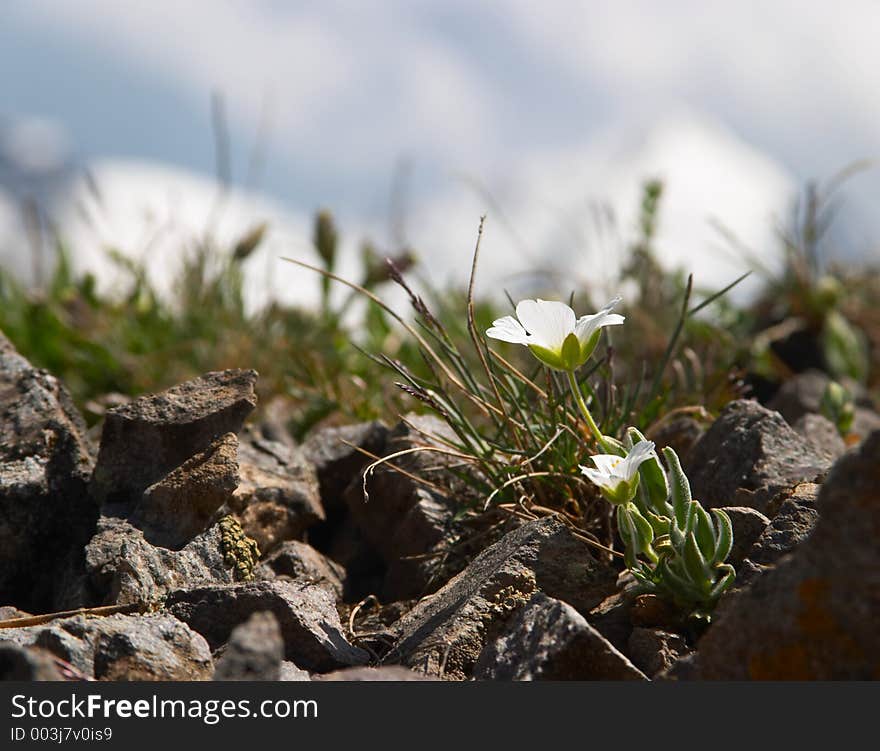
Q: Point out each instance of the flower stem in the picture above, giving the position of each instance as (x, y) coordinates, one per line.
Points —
(582, 405)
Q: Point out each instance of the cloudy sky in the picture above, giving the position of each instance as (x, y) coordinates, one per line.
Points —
(530, 111)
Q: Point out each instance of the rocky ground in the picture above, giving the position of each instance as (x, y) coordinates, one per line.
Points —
(180, 537)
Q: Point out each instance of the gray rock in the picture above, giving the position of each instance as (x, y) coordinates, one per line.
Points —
(680, 434)
(654, 651)
(277, 498)
(382, 673)
(791, 525)
(144, 440)
(122, 567)
(822, 435)
(408, 524)
(19, 663)
(122, 647)
(290, 672)
(748, 525)
(865, 422)
(46, 515)
(814, 616)
(800, 395)
(685, 668)
(452, 626)
(337, 463)
(310, 627)
(302, 563)
(613, 619)
(183, 504)
(748, 456)
(548, 640)
(254, 651)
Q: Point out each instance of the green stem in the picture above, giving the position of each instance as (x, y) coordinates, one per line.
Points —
(582, 405)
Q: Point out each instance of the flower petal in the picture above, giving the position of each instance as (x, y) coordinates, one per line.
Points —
(508, 329)
(599, 478)
(548, 322)
(606, 462)
(639, 454)
(587, 325)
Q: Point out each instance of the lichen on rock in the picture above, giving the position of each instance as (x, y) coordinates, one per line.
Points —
(240, 552)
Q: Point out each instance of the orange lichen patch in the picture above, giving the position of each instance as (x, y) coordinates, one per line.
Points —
(815, 632)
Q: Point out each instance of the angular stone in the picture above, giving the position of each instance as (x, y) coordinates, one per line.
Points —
(46, 515)
(800, 395)
(822, 435)
(382, 673)
(122, 647)
(548, 640)
(337, 463)
(290, 672)
(122, 567)
(791, 525)
(254, 651)
(302, 563)
(748, 456)
(748, 525)
(654, 651)
(277, 498)
(19, 663)
(407, 523)
(310, 627)
(680, 434)
(183, 504)
(145, 439)
(814, 616)
(452, 626)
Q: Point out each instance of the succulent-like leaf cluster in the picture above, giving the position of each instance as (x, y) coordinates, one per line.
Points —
(673, 546)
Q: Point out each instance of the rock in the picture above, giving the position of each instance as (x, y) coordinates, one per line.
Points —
(680, 434)
(548, 640)
(46, 515)
(303, 564)
(748, 525)
(654, 651)
(407, 523)
(290, 672)
(122, 567)
(652, 611)
(337, 463)
(310, 627)
(254, 651)
(383, 673)
(122, 647)
(452, 626)
(822, 435)
(865, 422)
(685, 668)
(791, 525)
(800, 395)
(146, 439)
(814, 616)
(183, 504)
(7, 612)
(748, 456)
(19, 663)
(277, 499)
(613, 619)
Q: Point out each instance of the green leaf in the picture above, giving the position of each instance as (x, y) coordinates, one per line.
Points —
(696, 565)
(680, 488)
(724, 536)
(704, 531)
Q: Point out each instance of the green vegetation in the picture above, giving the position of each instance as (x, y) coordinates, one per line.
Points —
(524, 419)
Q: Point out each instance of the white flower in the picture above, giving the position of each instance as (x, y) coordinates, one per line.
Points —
(553, 333)
(616, 476)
